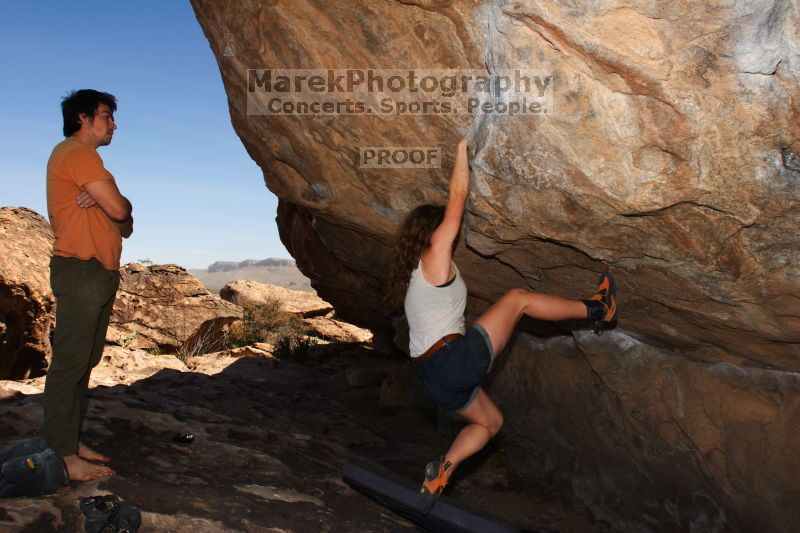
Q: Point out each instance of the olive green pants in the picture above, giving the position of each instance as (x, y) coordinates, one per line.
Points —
(85, 293)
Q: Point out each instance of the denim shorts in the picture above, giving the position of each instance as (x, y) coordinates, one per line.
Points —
(452, 376)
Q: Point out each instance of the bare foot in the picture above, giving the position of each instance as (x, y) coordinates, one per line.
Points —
(80, 470)
(84, 452)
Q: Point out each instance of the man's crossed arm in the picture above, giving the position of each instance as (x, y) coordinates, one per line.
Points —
(106, 195)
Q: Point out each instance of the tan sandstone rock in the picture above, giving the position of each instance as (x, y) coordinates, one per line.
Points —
(670, 156)
(306, 304)
(26, 300)
(338, 331)
(125, 366)
(163, 307)
(258, 349)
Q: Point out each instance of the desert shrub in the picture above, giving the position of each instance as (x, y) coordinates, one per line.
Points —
(295, 347)
(268, 322)
(126, 340)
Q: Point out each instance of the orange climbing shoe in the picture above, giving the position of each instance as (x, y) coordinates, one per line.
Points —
(601, 307)
(437, 473)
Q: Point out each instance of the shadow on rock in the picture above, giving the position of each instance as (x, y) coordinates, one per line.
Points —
(270, 439)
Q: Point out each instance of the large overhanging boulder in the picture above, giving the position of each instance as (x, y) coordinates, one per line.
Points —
(671, 156)
(26, 301)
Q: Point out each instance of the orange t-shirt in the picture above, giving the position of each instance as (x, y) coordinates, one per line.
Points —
(80, 232)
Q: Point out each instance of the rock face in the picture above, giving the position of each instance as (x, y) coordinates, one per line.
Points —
(26, 301)
(623, 420)
(670, 155)
(306, 304)
(162, 307)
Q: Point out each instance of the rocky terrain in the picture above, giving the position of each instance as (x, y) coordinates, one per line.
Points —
(270, 438)
(159, 308)
(318, 315)
(162, 307)
(670, 156)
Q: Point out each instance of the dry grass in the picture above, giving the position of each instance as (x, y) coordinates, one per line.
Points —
(209, 338)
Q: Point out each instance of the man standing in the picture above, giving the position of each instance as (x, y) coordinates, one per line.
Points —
(89, 218)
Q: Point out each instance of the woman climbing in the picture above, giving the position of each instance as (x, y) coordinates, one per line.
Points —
(451, 361)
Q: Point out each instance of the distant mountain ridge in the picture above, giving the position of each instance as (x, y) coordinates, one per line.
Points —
(227, 266)
(276, 271)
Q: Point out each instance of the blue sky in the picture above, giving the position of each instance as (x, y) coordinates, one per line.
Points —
(197, 195)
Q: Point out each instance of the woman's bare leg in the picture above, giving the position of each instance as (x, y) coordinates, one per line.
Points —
(483, 417)
(485, 421)
(501, 318)
(499, 321)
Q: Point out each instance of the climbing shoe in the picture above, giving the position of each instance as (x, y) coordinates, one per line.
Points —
(601, 308)
(437, 473)
(108, 514)
(30, 472)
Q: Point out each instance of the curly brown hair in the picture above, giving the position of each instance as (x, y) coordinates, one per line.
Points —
(414, 236)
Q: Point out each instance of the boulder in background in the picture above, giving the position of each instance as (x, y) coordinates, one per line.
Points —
(26, 300)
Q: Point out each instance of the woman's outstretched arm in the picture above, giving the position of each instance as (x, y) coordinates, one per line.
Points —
(436, 259)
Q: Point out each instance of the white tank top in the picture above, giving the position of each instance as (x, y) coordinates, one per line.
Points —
(433, 312)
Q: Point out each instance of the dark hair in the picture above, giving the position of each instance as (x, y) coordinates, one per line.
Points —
(85, 101)
(414, 236)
